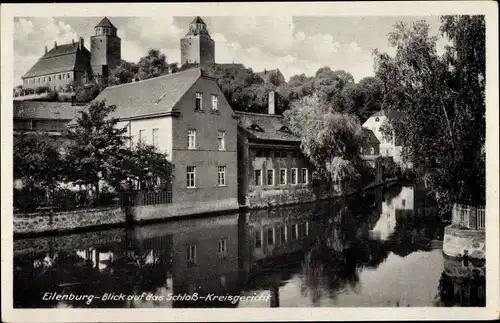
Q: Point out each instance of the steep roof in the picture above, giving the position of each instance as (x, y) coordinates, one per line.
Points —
(265, 127)
(197, 20)
(148, 97)
(58, 59)
(105, 23)
(369, 136)
(44, 110)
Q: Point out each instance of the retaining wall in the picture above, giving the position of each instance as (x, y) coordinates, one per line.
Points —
(459, 242)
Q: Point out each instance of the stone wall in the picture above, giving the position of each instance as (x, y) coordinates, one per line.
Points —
(458, 242)
(68, 220)
(269, 198)
(165, 211)
(69, 242)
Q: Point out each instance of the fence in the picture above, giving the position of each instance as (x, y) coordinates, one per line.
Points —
(468, 217)
(139, 198)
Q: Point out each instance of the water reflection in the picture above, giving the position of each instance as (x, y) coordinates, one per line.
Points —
(379, 249)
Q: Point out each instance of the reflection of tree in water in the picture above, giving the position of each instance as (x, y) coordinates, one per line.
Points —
(331, 265)
(464, 291)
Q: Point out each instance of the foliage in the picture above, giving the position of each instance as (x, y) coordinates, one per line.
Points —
(96, 147)
(87, 92)
(363, 98)
(42, 89)
(444, 101)
(152, 65)
(390, 169)
(329, 139)
(124, 73)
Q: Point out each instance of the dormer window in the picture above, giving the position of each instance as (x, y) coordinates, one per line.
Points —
(255, 127)
(284, 129)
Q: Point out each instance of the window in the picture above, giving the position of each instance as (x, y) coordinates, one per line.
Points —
(142, 135)
(59, 76)
(257, 180)
(199, 99)
(361, 149)
(191, 139)
(156, 137)
(294, 176)
(283, 234)
(221, 176)
(283, 154)
(67, 75)
(270, 236)
(295, 231)
(283, 176)
(63, 75)
(50, 78)
(221, 140)
(258, 239)
(307, 228)
(372, 150)
(377, 119)
(191, 255)
(215, 101)
(304, 176)
(191, 176)
(270, 177)
(222, 247)
(403, 202)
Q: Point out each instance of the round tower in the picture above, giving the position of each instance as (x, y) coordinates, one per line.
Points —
(197, 47)
(105, 48)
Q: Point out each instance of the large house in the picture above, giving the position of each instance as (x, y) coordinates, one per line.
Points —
(271, 164)
(64, 64)
(186, 116)
(50, 117)
(389, 145)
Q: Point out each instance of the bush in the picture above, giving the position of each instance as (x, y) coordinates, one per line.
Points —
(27, 201)
(42, 89)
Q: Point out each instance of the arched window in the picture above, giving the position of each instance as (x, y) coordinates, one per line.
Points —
(372, 150)
(377, 119)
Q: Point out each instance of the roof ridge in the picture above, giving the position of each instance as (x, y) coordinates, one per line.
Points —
(258, 114)
(155, 78)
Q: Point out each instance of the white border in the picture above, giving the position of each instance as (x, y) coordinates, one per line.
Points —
(487, 8)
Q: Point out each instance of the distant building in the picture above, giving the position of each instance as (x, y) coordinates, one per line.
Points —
(370, 152)
(67, 63)
(51, 117)
(272, 76)
(389, 145)
(197, 47)
(271, 164)
(186, 116)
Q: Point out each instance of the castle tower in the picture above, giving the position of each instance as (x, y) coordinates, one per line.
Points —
(105, 48)
(197, 47)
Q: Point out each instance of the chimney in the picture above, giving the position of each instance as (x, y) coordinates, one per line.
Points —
(72, 41)
(73, 97)
(271, 102)
(55, 44)
(81, 43)
(46, 50)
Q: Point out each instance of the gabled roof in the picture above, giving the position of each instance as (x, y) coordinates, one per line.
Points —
(105, 23)
(265, 127)
(60, 59)
(197, 20)
(44, 110)
(148, 97)
(369, 136)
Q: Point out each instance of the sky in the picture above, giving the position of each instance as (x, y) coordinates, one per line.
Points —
(295, 44)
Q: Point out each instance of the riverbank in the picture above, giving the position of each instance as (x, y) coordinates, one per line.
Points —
(49, 223)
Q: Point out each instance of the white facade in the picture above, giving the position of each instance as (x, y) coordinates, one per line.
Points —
(159, 128)
(387, 144)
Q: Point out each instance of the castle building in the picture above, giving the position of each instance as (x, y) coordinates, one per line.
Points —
(197, 47)
(64, 64)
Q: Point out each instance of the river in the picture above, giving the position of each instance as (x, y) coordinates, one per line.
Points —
(379, 249)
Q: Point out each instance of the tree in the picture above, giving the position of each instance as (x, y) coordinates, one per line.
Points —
(152, 65)
(443, 98)
(363, 98)
(96, 149)
(38, 164)
(328, 138)
(124, 73)
(87, 92)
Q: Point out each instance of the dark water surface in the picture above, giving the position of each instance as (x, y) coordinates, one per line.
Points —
(380, 249)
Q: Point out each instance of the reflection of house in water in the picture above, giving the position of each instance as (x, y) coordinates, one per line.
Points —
(411, 203)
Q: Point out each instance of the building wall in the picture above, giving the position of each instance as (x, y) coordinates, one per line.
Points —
(190, 50)
(164, 126)
(106, 50)
(374, 123)
(67, 76)
(207, 50)
(206, 157)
